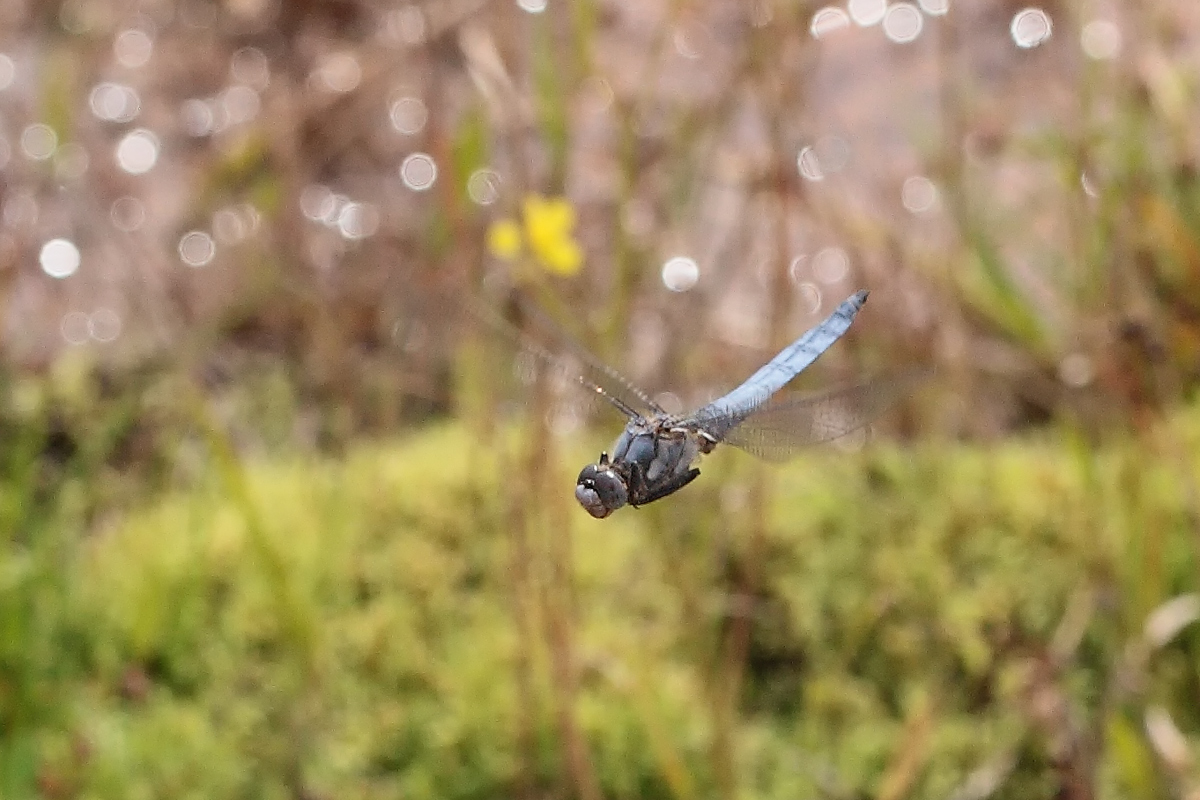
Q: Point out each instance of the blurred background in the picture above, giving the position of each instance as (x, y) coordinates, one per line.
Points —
(280, 519)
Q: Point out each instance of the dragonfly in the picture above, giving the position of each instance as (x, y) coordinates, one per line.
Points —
(656, 453)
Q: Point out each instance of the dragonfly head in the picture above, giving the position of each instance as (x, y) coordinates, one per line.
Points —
(600, 489)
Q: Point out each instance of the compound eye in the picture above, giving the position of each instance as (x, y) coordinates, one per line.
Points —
(611, 489)
(588, 498)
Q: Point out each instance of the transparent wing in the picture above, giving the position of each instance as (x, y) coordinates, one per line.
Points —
(575, 364)
(603, 376)
(778, 430)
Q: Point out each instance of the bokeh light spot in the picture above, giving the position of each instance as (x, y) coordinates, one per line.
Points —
(251, 217)
(340, 201)
(796, 269)
(38, 141)
(902, 23)
(918, 194)
(241, 104)
(406, 25)
(137, 152)
(1030, 27)
(249, 65)
(339, 72)
(317, 203)
(358, 220)
(810, 296)
(418, 171)
(408, 115)
(833, 153)
(104, 325)
(197, 117)
(75, 328)
(196, 248)
(680, 273)
(133, 48)
(831, 265)
(1100, 39)
(532, 6)
(827, 20)
(228, 226)
(867, 12)
(1076, 370)
(483, 187)
(114, 102)
(808, 165)
(59, 258)
(127, 214)
(935, 8)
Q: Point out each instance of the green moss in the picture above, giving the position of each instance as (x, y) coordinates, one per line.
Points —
(932, 578)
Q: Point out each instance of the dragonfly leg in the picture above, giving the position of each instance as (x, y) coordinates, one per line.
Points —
(673, 485)
(637, 484)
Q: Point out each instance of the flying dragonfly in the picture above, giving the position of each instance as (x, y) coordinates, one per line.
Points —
(655, 455)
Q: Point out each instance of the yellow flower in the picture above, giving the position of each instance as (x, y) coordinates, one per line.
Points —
(548, 228)
(504, 239)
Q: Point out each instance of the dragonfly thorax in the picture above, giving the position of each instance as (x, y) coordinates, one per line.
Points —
(651, 459)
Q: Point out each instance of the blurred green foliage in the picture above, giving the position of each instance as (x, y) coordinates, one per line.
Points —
(926, 621)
